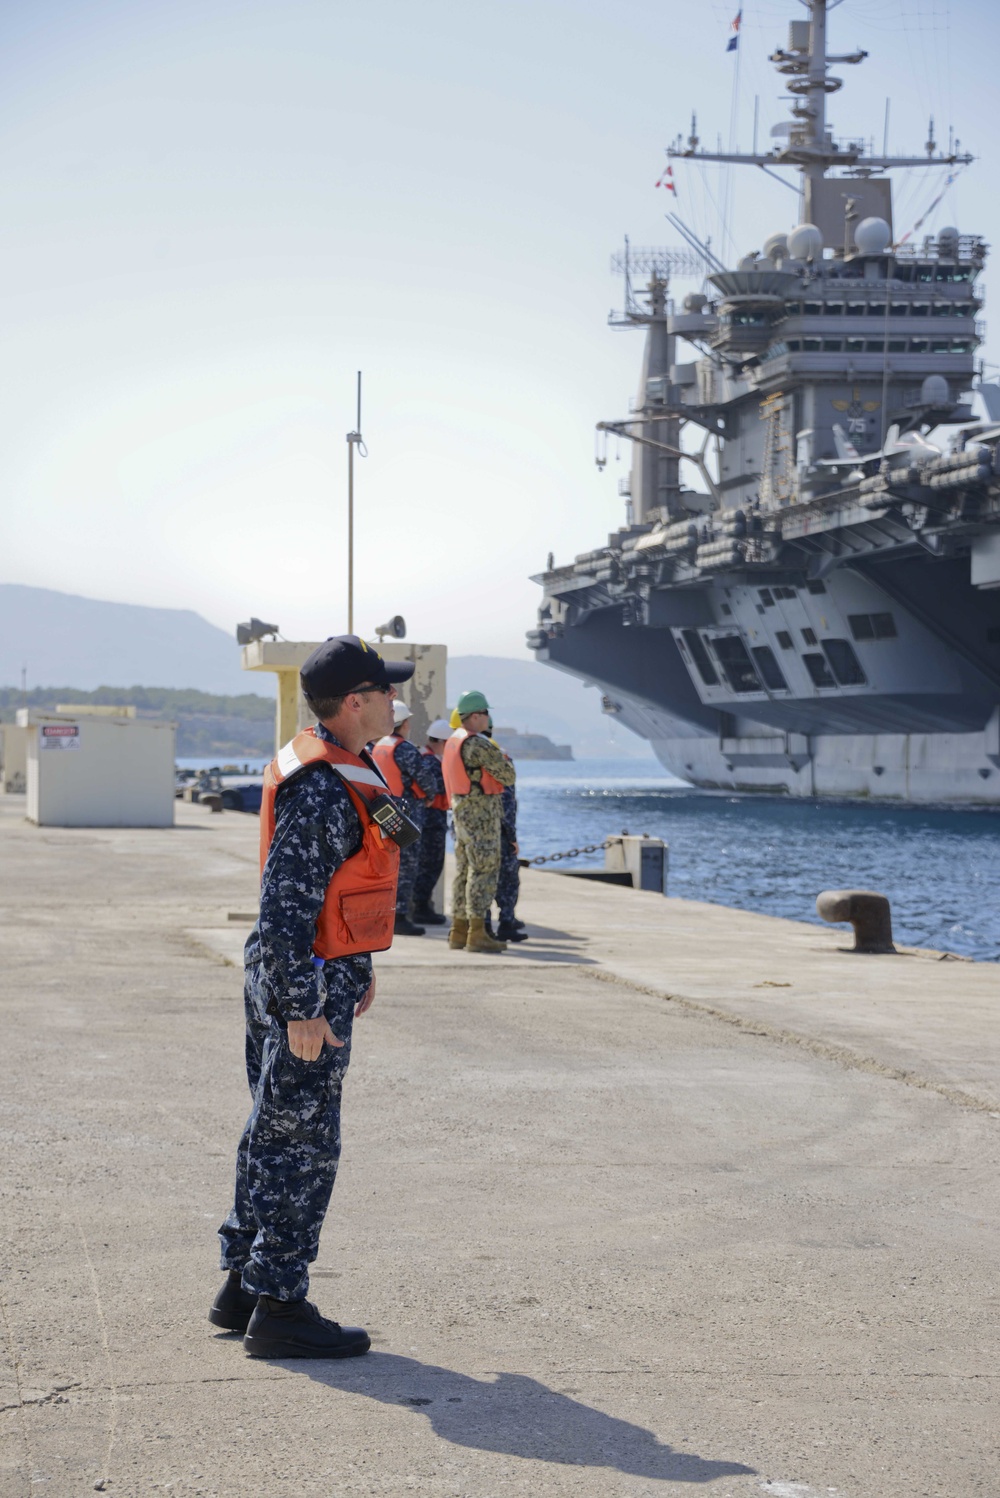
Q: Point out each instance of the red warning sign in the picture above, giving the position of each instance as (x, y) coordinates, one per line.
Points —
(60, 735)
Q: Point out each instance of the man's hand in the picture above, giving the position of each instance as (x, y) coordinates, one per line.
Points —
(307, 1037)
(367, 1000)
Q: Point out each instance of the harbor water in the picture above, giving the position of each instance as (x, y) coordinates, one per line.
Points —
(939, 867)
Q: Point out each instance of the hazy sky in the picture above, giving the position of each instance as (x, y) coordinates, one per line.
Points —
(215, 212)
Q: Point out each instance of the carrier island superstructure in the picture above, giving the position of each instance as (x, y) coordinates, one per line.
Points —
(818, 613)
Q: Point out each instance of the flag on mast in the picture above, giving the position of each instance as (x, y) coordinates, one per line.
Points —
(733, 42)
(667, 180)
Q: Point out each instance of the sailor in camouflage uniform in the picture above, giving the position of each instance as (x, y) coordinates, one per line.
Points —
(475, 772)
(509, 877)
(299, 1016)
(407, 771)
(433, 838)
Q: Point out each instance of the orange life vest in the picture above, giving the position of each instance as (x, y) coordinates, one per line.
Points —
(456, 776)
(384, 755)
(442, 801)
(359, 907)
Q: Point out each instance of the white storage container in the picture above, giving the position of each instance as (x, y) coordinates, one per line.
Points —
(96, 771)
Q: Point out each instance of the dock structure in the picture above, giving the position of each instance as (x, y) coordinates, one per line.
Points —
(672, 1196)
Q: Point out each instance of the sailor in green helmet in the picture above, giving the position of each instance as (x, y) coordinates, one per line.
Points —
(475, 773)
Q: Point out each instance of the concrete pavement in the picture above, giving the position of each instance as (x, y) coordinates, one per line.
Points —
(670, 1196)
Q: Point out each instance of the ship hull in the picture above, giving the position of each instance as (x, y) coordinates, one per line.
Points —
(929, 768)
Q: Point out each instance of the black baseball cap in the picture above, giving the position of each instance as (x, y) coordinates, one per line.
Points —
(343, 662)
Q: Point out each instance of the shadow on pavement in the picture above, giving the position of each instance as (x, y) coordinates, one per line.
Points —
(516, 1416)
(552, 933)
(552, 954)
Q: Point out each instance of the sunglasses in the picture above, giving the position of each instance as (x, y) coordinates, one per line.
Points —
(361, 691)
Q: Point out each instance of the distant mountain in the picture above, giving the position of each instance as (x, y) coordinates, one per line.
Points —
(68, 641)
(65, 640)
(537, 699)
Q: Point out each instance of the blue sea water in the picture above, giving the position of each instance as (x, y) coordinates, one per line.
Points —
(939, 867)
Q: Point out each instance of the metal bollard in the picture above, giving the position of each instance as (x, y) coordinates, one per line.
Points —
(868, 913)
(212, 800)
(645, 858)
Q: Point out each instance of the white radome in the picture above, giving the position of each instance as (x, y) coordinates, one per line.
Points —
(776, 247)
(872, 236)
(805, 242)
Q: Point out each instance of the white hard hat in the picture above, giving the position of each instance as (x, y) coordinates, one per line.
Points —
(439, 729)
(400, 711)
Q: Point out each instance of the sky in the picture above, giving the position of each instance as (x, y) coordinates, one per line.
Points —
(216, 211)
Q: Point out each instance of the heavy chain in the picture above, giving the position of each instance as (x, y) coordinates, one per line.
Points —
(572, 852)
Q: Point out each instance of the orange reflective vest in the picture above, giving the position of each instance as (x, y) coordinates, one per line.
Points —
(440, 802)
(384, 755)
(359, 907)
(456, 776)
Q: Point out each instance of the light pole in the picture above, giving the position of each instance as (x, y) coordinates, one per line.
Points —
(354, 440)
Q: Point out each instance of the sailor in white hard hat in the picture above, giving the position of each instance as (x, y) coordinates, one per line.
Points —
(432, 843)
(409, 777)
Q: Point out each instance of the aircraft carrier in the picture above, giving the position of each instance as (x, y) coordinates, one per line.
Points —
(818, 612)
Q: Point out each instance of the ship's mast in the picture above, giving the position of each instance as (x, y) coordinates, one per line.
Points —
(810, 146)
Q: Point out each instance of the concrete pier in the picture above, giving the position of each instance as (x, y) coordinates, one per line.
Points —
(671, 1196)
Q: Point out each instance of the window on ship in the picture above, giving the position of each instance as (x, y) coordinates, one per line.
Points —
(844, 663)
(819, 670)
(769, 669)
(872, 626)
(737, 667)
(703, 665)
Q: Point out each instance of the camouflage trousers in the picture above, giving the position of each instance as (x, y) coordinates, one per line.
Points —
(409, 858)
(287, 1159)
(431, 856)
(477, 854)
(509, 880)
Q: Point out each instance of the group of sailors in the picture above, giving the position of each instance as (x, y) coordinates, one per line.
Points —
(460, 768)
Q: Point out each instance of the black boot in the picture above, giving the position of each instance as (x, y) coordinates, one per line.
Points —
(233, 1306)
(488, 925)
(511, 931)
(429, 916)
(403, 926)
(295, 1329)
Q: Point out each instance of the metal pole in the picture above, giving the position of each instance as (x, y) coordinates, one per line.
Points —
(354, 440)
(350, 536)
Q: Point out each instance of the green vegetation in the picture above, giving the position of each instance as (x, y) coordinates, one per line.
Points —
(206, 724)
(149, 702)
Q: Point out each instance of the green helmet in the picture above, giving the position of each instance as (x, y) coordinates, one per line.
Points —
(471, 702)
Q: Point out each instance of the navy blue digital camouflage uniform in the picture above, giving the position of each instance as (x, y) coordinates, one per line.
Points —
(287, 1158)
(413, 766)
(432, 841)
(509, 879)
